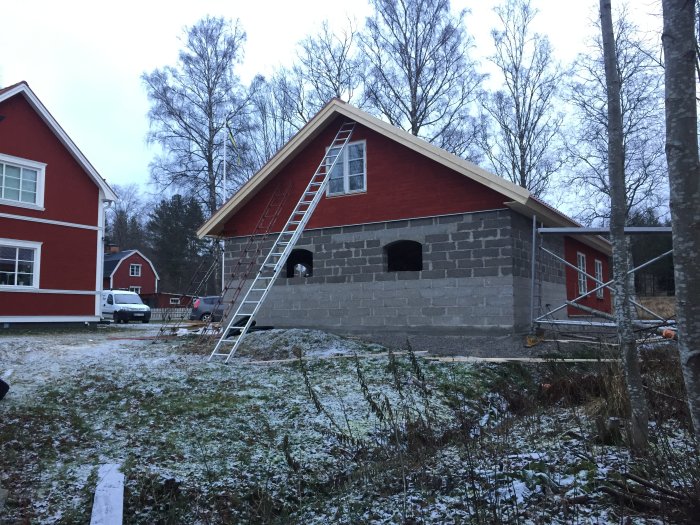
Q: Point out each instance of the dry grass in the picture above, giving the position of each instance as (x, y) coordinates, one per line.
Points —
(665, 306)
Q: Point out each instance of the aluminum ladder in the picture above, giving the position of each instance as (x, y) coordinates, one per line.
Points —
(276, 258)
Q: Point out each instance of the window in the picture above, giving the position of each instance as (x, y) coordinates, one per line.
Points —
(404, 256)
(349, 173)
(300, 264)
(599, 277)
(581, 265)
(134, 270)
(175, 300)
(21, 182)
(136, 289)
(19, 263)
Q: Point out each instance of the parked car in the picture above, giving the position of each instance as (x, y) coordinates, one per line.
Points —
(122, 306)
(207, 308)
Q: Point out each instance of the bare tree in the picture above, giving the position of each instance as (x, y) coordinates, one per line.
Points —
(190, 106)
(641, 91)
(126, 218)
(622, 294)
(329, 66)
(684, 176)
(420, 77)
(523, 142)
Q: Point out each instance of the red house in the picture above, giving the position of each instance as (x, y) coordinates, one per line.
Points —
(406, 238)
(130, 270)
(51, 217)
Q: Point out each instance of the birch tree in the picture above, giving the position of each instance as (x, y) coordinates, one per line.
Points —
(638, 430)
(684, 176)
(523, 144)
(420, 77)
(641, 92)
(191, 104)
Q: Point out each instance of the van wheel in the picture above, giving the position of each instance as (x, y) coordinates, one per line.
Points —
(205, 317)
(145, 321)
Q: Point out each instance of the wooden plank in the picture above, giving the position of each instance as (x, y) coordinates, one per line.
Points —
(319, 358)
(465, 359)
(108, 505)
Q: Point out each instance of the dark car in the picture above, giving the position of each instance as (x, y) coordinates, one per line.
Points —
(207, 308)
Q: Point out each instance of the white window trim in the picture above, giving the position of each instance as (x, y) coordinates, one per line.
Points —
(175, 301)
(581, 277)
(135, 289)
(134, 270)
(344, 160)
(40, 168)
(600, 294)
(36, 246)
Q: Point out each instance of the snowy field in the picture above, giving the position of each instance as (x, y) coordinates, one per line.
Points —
(370, 438)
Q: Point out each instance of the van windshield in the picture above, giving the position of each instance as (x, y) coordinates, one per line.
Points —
(126, 298)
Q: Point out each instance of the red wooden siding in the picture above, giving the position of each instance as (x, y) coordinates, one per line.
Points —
(571, 248)
(68, 255)
(401, 184)
(35, 304)
(122, 279)
(69, 195)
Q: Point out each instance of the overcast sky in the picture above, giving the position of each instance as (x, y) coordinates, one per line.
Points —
(84, 58)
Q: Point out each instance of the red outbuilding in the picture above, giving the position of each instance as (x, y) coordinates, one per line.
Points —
(51, 217)
(130, 270)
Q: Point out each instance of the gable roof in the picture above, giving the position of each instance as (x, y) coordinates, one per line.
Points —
(23, 89)
(517, 198)
(112, 261)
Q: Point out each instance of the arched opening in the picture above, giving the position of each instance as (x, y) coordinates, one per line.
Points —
(404, 256)
(300, 263)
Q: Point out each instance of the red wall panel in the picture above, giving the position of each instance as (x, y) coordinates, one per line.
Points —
(70, 194)
(46, 304)
(122, 279)
(401, 184)
(68, 255)
(604, 304)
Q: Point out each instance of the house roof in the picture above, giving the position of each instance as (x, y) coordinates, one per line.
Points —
(23, 89)
(517, 198)
(112, 261)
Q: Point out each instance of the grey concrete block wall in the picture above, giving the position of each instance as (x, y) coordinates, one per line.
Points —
(468, 282)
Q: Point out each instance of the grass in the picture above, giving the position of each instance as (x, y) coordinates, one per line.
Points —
(381, 440)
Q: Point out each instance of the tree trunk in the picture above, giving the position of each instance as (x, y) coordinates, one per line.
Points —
(684, 178)
(616, 173)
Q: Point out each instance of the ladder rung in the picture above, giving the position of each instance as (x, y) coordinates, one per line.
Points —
(258, 289)
(306, 202)
(294, 222)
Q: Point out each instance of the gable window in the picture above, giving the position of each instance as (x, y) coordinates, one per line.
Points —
(135, 289)
(599, 277)
(21, 182)
(19, 263)
(134, 270)
(349, 175)
(404, 256)
(300, 264)
(581, 265)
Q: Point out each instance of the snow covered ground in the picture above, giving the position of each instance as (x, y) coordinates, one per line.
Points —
(366, 439)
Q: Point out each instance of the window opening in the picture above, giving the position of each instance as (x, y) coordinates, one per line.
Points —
(349, 173)
(599, 277)
(18, 266)
(404, 256)
(300, 263)
(134, 270)
(136, 289)
(581, 265)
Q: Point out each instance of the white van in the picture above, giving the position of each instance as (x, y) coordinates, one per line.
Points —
(122, 306)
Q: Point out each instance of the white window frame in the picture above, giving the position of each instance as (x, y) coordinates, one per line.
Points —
(600, 294)
(175, 301)
(36, 268)
(134, 270)
(345, 164)
(21, 163)
(135, 289)
(581, 277)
